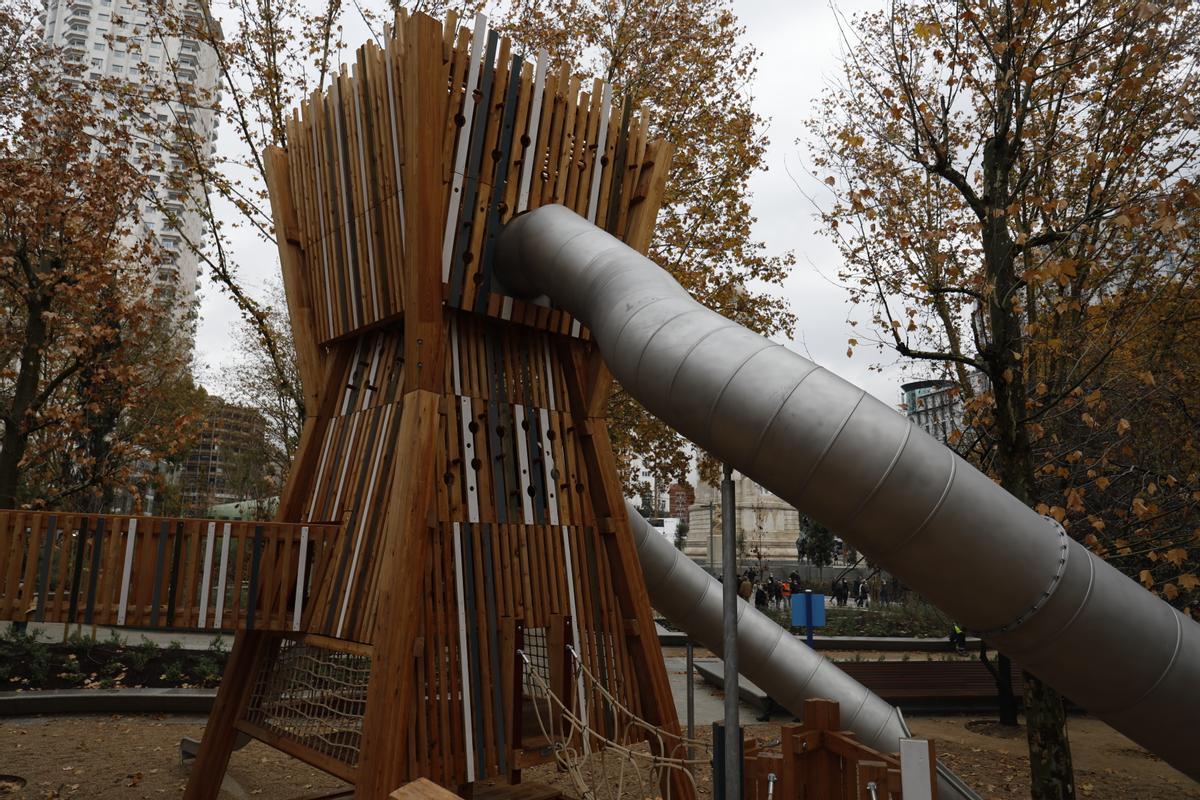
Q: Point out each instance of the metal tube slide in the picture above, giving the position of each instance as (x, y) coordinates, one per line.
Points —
(907, 502)
(787, 669)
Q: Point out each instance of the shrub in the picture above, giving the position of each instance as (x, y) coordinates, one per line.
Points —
(141, 653)
(80, 644)
(173, 672)
(24, 658)
(71, 672)
(206, 671)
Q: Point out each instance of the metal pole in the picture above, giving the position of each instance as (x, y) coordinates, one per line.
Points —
(733, 761)
(691, 700)
(808, 617)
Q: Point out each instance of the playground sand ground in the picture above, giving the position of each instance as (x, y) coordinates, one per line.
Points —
(138, 757)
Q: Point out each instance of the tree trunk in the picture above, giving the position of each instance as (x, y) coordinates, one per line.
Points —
(1050, 769)
(1046, 725)
(16, 419)
(1004, 687)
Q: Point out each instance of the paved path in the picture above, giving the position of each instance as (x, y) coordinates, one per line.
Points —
(710, 703)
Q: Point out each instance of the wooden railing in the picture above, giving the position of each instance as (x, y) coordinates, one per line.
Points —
(816, 761)
(158, 572)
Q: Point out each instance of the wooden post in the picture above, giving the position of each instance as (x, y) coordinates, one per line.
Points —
(821, 715)
(789, 778)
(405, 545)
(873, 772)
(391, 689)
(292, 266)
(220, 734)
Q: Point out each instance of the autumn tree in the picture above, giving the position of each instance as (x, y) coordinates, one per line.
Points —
(266, 58)
(85, 336)
(1012, 188)
(688, 62)
(268, 381)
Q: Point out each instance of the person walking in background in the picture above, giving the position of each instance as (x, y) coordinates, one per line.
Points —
(746, 588)
(786, 590)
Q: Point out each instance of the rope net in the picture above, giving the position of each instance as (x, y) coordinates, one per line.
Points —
(314, 696)
(636, 761)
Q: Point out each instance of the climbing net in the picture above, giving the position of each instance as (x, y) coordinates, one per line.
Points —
(313, 696)
(636, 759)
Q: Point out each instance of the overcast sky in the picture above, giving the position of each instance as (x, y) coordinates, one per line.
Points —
(799, 48)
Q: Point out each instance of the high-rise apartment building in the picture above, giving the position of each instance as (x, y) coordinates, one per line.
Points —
(148, 44)
(228, 461)
(934, 406)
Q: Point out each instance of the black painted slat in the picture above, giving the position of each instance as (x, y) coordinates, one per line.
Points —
(173, 581)
(495, 423)
(160, 559)
(255, 563)
(43, 585)
(466, 219)
(499, 183)
(493, 623)
(77, 572)
(94, 582)
(473, 667)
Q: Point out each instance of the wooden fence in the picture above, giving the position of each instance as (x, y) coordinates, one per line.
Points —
(158, 572)
(816, 761)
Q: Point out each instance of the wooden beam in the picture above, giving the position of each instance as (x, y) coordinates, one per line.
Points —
(404, 547)
(296, 491)
(292, 266)
(315, 758)
(422, 789)
(423, 95)
(404, 551)
(648, 195)
(220, 734)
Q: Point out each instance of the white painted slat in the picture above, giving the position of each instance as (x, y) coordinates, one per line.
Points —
(548, 465)
(220, 611)
(601, 143)
(523, 458)
(301, 564)
(126, 571)
(206, 576)
(531, 156)
(465, 419)
(463, 654)
(478, 40)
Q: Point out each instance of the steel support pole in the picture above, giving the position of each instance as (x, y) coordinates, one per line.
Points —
(691, 699)
(733, 755)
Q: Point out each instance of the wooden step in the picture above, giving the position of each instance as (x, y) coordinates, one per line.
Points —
(520, 791)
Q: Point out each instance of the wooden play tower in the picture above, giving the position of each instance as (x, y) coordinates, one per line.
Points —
(455, 452)
(452, 535)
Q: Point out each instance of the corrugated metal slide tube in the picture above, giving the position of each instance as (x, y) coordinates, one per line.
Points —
(783, 666)
(906, 501)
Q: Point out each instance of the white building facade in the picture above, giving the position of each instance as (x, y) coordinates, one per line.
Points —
(127, 40)
(766, 524)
